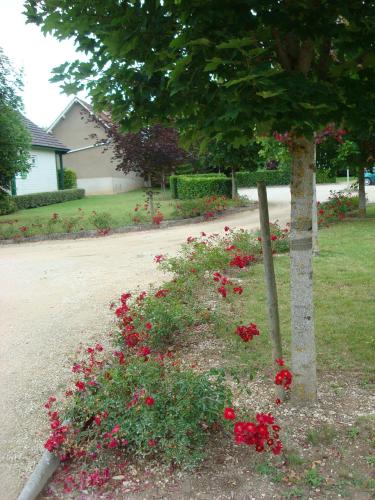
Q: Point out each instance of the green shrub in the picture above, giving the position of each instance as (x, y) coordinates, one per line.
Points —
(173, 186)
(173, 181)
(49, 198)
(70, 179)
(271, 178)
(277, 177)
(324, 176)
(209, 174)
(149, 409)
(102, 221)
(199, 187)
(70, 223)
(7, 205)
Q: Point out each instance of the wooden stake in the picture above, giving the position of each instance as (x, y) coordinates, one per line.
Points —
(269, 275)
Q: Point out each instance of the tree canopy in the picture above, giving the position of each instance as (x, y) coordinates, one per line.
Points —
(14, 138)
(277, 65)
(152, 151)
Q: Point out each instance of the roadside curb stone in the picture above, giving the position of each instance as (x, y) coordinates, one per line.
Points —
(40, 477)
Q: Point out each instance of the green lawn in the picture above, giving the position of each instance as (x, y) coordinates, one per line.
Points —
(120, 206)
(344, 290)
(341, 180)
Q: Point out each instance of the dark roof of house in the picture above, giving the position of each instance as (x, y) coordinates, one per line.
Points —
(43, 139)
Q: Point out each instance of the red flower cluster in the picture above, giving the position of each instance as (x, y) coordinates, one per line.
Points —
(161, 293)
(224, 282)
(229, 414)
(258, 434)
(247, 332)
(158, 218)
(284, 378)
(209, 215)
(59, 431)
(84, 480)
(149, 401)
(241, 261)
(159, 258)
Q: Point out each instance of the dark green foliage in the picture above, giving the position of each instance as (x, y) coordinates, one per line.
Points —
(173, 186)
(173, 181)
(49, 198)
(271, 178)
(70, 179)
(199, 187)
(7, 204)
(277, 177)
(15, 141)
(186, 407)
(325, 176)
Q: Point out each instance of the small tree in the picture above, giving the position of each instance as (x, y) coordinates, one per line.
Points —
(152, 152)
(14, 138)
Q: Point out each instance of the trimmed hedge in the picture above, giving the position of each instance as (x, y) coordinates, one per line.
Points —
(199, 187)
(277, 177)
(173, 185)
(49, 198)
(270, 177)
(173, 181)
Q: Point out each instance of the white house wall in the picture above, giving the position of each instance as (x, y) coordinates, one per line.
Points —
(110, 185)
(41, 177)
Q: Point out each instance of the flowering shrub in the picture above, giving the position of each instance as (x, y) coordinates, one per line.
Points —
(143, 408)
(247, 332)
(279, 237)
(137, 398)
(155, 318)
(208, 206)
(340, 205)
(101, 221)
(264, 432)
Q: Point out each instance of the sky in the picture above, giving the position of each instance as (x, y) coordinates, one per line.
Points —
(37, 55)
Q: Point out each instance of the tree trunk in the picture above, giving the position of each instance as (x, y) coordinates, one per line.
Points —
(270, 280)
(302, 306)
(315, 240)
(150, 199)
(163, 181)
(149, 184)
(361, 192)
(234, 187)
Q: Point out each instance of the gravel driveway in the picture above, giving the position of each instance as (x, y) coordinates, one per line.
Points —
(55, 295)
(281, 194)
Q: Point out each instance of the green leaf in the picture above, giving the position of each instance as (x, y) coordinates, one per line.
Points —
(240, 80)
(266, 94)
(236, 43)
(213, 64)
(200, 41)
(307, 105)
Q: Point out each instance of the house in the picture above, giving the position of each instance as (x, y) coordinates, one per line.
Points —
(90, 152)
(46, 163)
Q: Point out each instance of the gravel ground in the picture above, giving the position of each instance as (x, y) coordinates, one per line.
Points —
(55, 295)
(281, 194)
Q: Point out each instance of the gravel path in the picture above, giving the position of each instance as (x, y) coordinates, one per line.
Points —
(55, 295)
